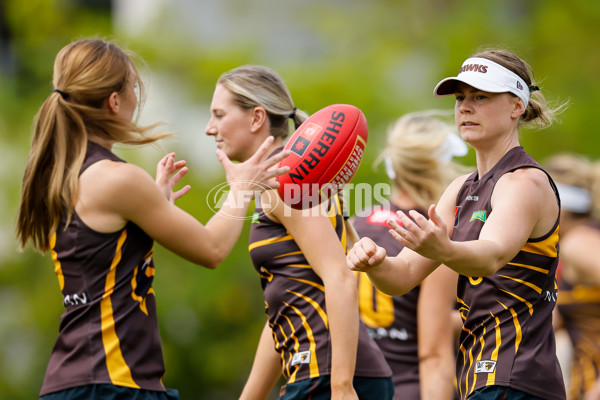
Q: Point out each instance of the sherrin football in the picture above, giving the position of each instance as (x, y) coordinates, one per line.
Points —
(325, 152)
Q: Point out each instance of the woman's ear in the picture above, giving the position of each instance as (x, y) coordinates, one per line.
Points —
(519, 108)
(259, 118)
(112, 103)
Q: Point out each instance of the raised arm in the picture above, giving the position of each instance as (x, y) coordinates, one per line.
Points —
(398, 275)
(122, 192)
(523, 207)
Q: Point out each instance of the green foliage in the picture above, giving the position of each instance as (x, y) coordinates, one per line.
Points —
(383, 56)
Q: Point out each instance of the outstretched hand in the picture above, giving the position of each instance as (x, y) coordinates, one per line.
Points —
(166, 167)
(428, 237)
(365, 255)
(255, 174)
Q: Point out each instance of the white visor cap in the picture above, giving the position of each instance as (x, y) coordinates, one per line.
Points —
(486, 75)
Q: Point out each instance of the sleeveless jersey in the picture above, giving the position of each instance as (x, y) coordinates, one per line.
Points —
(579, 306)
(507, 338)
(108, 332)
(391, 320)
(295, 302)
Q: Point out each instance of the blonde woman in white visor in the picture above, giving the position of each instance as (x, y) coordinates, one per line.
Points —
(498, 228)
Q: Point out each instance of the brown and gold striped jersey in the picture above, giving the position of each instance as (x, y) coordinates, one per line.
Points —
(507, 337)
(295, 302)
(108, 332)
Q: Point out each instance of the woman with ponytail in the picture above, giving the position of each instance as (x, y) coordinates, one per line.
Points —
(99, 216)
(313, 335)
(497, 228)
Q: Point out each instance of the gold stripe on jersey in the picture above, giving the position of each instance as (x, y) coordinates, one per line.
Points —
(332, 212)
(315, 305)
(529, 305)
(292, 253)
(531, 285)
(313, 366)
(259, 243)
(463, 350)
(57, 266)
(311, 283)
(491, 380)
(299, 266)
(463, 308)
(279, 346)
(118, 370)
(531, 267)
(547, 247)
(518, 330)
(374, 312)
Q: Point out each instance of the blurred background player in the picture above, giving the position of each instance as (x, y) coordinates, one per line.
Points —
(416, 331)
(578, 182)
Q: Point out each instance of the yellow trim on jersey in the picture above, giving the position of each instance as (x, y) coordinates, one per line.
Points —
(141, 299)
(531, 285)
(475, 281)
(314, 366)
(491, 379)
(316, 306)
(57, 265)
(518, 330)
(292, 253)
(482, 343)
(118, 370)
(311, 283)
(529, 305)
(471, 364)
(259, 243)
(299, 266)
(378, 312)
(542, 270)
(547, 247)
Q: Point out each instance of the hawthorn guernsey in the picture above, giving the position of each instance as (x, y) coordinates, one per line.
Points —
(326, 151)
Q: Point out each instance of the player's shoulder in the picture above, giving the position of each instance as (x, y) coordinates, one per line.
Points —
(526, 179)
(117, 178)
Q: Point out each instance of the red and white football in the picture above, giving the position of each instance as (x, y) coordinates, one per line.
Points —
(325, 152)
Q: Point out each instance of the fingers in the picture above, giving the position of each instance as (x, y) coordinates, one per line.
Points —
(181, 192)
(262, 150)
(364, 255)
(163, 161)
(277, 158)
(223, 159)
(434, 216)
(175, 178)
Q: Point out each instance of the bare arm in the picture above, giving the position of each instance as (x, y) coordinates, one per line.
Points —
(326, 256)
(266, 369)
(118, 192)
(398, 275)
(436, 316)
(523, 207)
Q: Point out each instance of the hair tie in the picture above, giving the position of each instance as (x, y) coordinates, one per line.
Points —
(62, 94)
(533, 88)
(293, 113)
